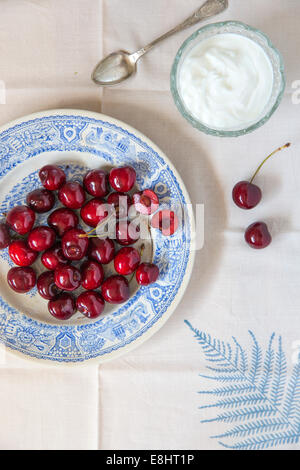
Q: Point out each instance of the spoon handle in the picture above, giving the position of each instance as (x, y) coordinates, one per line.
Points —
(208, 9)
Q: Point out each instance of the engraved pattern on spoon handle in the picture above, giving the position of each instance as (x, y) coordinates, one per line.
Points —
(208, 9)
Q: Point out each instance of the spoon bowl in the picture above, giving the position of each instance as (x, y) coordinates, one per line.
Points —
(114, 68)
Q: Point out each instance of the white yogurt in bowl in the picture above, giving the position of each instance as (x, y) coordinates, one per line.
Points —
(227, 79)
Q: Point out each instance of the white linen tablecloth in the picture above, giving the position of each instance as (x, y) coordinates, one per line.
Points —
(148, 399)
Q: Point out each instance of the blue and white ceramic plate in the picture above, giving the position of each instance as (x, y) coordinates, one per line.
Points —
(80, 140)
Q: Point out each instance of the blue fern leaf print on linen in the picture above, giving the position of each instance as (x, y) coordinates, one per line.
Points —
(256, 398)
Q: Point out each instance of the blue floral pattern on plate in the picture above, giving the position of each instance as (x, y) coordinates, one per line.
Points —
(113, 144)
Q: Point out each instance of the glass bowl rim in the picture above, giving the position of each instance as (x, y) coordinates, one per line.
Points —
(179, 102)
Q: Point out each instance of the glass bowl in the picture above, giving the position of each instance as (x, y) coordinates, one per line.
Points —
(259, 38)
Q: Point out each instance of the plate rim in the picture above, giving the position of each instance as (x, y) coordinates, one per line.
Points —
(191, 259)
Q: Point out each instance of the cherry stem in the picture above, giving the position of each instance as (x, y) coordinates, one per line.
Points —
(142, 250)
(89, 234)
(271, 155)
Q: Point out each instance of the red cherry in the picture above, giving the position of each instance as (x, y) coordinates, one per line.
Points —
(52, 177)
(101, 250)
(21, 280)
(54, 257)
(146, 202)
(166, 221)
(67, 278)
(46, 286)
(94, 212)
(146, 274)
(90, 304)
(246, 195)
(40, 200)
(121, 203)
(127, 232)
(21, 219)
(122, 179)
(96, 183)
(74, 247)
(258, 236)
(62, 220)
(62, 307)
(127, 260)
(92, 275)
(72, 195)
(5, 237)
(41, 238)
(115, 289)
(21, 254)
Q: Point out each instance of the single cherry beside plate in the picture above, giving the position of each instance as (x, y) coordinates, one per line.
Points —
(258, 236)
(247, 195)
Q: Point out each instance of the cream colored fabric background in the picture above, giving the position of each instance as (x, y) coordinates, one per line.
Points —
(148, 399)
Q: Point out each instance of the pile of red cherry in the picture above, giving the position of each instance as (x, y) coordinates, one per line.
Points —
(62, 242)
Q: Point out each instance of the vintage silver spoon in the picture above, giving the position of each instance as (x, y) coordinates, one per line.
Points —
(120, 65)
